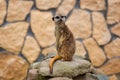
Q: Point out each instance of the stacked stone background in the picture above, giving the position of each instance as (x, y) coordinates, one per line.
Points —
(27, 30)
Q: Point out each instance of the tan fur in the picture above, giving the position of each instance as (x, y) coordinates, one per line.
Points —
(65, 43)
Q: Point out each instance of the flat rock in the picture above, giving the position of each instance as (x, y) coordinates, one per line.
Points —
(95, 5)
(113, 14)
(2, 11)
(80, 50)
(10, 65)
(18, 10)
(66, 7)
(47, 4)
(111, 67)
(116, 29)
(113, 77)
(113, 48)
(65, 68)
(32, 74)
(31, 49)
(43, 27)
(101, 33)
(96, 54)
(61, 78)
(49, 50)
(12, 36)
(79, 23)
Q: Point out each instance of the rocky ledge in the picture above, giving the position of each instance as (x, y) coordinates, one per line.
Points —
(77, 69)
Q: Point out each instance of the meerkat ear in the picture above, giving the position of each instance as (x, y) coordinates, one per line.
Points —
(53, 18)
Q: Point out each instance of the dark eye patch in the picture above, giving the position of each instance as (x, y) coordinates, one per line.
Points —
(53, 18)
(62, 16)
(57, 17)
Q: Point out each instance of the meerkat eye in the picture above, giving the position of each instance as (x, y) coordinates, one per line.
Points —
(53, 18)
(57, 17)
(62, 16)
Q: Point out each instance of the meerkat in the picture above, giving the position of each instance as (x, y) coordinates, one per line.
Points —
(65, 42)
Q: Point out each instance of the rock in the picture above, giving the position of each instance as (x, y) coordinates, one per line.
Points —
(12, 36)
(78, 69)
(80, 50)
(95, 71)
(31, 49)
(111, 67)
(32, 74)
(113, 49)
(118, 76)
(96, 54)
(61, 78)
(10, 65)
(100, 32)
(43, 27)
(87, 76)
(49, 50)
(66, 7)
(18, 10)
(90, 76)
(113, 14)
(95, 5)
(64, 68)
(116, 29)
(47, 4)
(79, 23)
(101, 77)
(2, 11)
(113, 77)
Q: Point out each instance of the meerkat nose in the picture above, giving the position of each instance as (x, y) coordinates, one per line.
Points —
(60, 19)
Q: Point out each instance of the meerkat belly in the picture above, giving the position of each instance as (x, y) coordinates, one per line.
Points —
(62, 37)
(67, 48)
(61, 40)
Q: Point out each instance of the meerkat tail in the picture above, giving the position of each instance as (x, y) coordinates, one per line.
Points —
(52, 62)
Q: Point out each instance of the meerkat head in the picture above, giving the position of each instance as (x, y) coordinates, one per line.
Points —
(59, 18)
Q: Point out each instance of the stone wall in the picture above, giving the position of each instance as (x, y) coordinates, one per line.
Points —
(26, 29)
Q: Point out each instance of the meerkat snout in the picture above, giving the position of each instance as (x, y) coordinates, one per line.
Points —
(58, 18)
